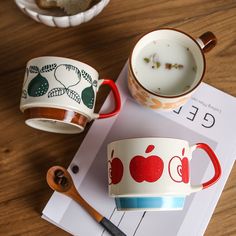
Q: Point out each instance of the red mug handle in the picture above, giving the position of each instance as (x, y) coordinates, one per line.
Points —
(116, 94)
(215, 163)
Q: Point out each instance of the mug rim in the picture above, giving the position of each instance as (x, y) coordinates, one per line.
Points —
(170, 96)
(30, 121)
(146, 138)
(65, 58)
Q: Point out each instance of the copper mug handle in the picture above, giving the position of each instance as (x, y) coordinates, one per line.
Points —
(207, 41)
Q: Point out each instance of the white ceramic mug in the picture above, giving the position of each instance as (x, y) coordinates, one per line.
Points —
(59, 94)
(153, 173)
(166, 66)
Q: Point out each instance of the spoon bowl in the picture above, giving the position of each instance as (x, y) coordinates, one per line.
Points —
(59, 179)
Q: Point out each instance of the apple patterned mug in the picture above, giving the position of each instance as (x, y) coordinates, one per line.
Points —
(153, 173)
(59, 94)
(166, 66)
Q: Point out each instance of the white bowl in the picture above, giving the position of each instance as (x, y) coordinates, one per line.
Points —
(55, 19)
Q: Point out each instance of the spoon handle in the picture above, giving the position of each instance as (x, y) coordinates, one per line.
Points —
(79, 199)
(111, 228)
(108, 225)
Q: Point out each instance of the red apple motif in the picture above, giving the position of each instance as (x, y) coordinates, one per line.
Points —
(146, 168)
(116, 169)
(179, 169)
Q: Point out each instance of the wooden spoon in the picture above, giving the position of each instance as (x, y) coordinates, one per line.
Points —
(59, 179)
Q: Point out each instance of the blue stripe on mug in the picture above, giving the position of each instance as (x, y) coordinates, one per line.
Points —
(152, 203)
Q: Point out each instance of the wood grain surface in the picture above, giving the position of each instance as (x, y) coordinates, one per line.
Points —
(105, 43)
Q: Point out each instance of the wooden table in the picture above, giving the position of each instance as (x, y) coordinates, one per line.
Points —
(105, 43)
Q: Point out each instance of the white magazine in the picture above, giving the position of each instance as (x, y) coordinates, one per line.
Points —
(208, 117)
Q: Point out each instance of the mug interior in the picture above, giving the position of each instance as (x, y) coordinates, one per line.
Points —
(172, 45)
(54, 126)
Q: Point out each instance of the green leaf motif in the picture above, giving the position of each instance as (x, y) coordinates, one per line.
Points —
(95, 83)
(73, 95)
(87, 76)
(34, 69)
(38, 86)
(74, 68)
(88, 97)
(48, 68)
(56, 92)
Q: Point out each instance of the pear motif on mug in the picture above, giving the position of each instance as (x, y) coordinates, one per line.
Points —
(39, 85)
(68, 76)
(88, 94)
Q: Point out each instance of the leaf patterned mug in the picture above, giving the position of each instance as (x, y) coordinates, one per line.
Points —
(59, 94)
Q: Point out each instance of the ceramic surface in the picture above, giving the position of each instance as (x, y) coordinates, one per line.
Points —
(166, 203)
(141, 88)
(49, 18)
(59, 94)
(153, 168)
